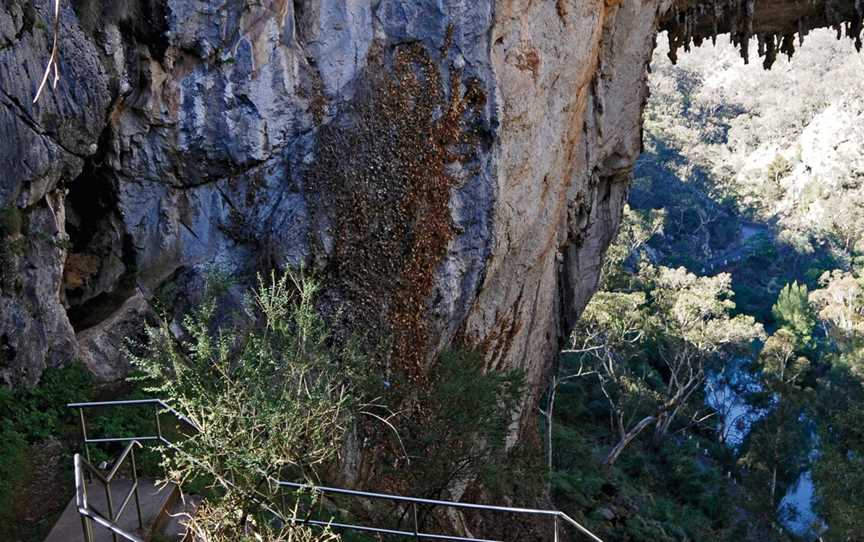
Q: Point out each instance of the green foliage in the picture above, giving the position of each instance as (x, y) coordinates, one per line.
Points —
(774, 454)
(781, 368)
(637, 227)
(11, 221)
(223, 521)
(458, 432)
(799, 219)
(13, 468)
(650, 348)
(273, 401)
(650, 337)
(840, 302)
(40, 412)
(30, 416)
(669, 493)
(793, 312)
(760, 249)
(839, 471)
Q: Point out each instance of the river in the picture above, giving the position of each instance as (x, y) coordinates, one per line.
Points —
(725, 393)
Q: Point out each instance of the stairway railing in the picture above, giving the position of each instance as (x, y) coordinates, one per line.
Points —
(88, 514)
(559, 519)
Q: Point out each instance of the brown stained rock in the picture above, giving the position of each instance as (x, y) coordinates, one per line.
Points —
(79, 269)
(389, 199)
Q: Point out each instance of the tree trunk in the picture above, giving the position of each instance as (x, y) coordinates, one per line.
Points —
(550, 409)
(773, 484)
(664, 421)
(625, 440)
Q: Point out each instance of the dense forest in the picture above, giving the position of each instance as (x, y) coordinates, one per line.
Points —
(713, 389)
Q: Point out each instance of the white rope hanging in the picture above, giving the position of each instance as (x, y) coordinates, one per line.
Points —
(55, 56)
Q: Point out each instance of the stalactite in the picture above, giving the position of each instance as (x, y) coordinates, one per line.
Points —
(750, 11)
(744, 44)
(788, 46)
(770, 51)
(692, 21)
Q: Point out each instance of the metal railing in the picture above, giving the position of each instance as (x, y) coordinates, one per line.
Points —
(85, 469)
(559, 519)
(88, 514)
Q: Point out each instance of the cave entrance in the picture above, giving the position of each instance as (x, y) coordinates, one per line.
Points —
(98, 275)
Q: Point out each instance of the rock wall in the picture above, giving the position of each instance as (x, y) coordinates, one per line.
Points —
(454, 170)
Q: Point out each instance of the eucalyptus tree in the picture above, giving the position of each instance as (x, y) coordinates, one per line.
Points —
(651, 347)
(839, 470)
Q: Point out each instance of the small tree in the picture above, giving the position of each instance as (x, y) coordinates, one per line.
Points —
(637, 228)
(271, 402)
(458, 429)
(782, 368)
(778, 446)
(793, 312)
(840, 302)
(839, 470)
(693, 327)
(611, 331)
(651, 348)
(775, 453)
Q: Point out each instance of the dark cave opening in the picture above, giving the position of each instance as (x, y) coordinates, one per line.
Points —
(99, 271)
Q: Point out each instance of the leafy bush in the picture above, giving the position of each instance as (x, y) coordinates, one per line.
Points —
(272, 401)
(40, 412)
(13, 468)
(459, 429)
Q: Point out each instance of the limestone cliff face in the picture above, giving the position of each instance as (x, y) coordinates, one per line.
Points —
(454, 170)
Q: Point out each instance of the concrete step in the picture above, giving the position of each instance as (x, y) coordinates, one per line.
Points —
(154, 504)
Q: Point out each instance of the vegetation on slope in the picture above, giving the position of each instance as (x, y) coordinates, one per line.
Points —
(752, 181)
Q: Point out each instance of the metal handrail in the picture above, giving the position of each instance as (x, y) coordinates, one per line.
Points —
(556, 515)
(88, 514)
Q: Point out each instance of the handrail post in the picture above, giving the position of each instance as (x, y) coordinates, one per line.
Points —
(110, 507)
(86, 523)
(84, 443)
(416, 526)
(135, 488)
(158, 425)
(88, 529)
(556, 528)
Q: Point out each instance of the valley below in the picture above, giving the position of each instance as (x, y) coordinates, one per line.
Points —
(754, 176)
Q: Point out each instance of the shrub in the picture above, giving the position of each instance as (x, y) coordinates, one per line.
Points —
(459, 430)
(272, 402)
(10, 221)
(13, 468)
(40, 412)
